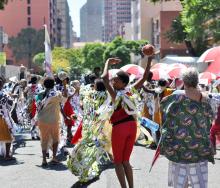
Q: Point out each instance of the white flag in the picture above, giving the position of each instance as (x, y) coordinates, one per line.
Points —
(48, 54)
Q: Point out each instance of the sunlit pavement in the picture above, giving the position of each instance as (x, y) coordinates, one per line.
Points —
(27, 173)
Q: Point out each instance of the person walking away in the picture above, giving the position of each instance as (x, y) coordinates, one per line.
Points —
(185, 134)
(49, 118)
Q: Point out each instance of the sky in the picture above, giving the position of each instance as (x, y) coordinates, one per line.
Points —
(75, 6)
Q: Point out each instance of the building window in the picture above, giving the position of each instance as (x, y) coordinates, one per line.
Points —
(28, 1)
(29, 21)
(29, 10)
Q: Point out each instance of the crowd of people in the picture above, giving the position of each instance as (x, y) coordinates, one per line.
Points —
(110, 115)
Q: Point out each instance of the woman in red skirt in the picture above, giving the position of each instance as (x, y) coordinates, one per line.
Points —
(124, 123)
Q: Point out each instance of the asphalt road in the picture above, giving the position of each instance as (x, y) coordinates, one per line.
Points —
(27, 173)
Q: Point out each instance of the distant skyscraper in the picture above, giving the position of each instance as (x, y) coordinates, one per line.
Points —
(91, 21)
(65, 26)
(116, 13)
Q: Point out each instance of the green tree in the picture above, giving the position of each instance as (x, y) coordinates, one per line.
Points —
(201, 22)
(76, 63)
(69, 60)
(123, 49)
(93, 55)
(198, 25)
(27, 43)
(117, 48)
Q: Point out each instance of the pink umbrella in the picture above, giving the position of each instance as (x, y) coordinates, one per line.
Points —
(133, 69)
(211, 56)
(207, 76)
(175, 72)
(159, 73)
(112, 73)
(160, 66)
(177, 65)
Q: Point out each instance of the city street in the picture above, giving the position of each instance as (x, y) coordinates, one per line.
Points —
(26, 172)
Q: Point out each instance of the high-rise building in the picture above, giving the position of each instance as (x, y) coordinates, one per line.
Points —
(18, 15)
(91, 21)
(116, 13)
(65, 26)
(34, 14)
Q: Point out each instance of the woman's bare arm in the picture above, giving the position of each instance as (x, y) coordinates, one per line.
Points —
(141, 81)
(106, 78)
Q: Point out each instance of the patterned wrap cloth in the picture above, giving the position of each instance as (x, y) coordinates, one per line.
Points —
(96, 135)
(185, 130)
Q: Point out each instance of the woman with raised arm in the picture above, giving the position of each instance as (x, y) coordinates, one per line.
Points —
(122, 119)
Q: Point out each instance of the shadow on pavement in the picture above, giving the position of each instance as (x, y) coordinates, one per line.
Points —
(57, 167)
(84, 185)
(10, 163)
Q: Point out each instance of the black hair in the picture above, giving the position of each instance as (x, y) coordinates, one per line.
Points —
(123, 76)
(97, 68)
(150, 76)
(99, 85)
(162, 82)
(33, 79)
(58, 81)
(49, 83)
(92, 78)
(2, 81)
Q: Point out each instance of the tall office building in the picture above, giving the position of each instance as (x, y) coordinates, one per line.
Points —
(18, 15)
(116, 13)
(91, 21)
(65, 26)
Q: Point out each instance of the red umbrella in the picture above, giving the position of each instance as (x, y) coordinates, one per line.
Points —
(177, 65)
(212, 55)
(136, 70)
(207, 76)
(176, 72)
(160, 66)
(159, 73)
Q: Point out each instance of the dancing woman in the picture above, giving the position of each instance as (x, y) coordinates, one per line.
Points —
(123, 120)
(49, 117)
(6, 122)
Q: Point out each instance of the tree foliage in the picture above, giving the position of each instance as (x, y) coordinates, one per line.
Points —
(93, 55)
(123, 49)
(79, 61)
(27, 43)
(198, 25)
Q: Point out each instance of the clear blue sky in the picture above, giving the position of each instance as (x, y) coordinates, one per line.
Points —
(75, 6)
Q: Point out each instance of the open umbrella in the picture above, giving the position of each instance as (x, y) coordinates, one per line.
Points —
(212, 56)
(163, 66)
(207, 75)
(159, 73)
(175, 72)
(177, 65)
(136, 70)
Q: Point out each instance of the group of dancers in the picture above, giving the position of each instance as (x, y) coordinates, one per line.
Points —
(108, 116)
